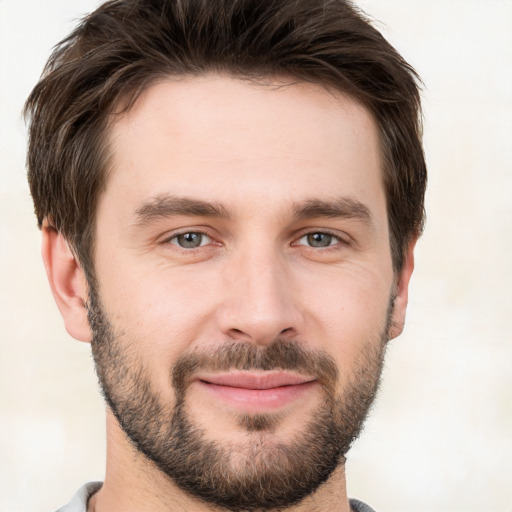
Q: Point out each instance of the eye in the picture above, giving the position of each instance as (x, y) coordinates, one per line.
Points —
(190, 240)
(319, 239)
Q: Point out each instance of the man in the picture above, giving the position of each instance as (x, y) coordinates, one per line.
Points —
(229, 193)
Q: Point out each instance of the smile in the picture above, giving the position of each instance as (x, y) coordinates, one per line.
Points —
(256, 392)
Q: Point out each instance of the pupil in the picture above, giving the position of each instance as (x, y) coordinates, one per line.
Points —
(190, 240)
(319, 240)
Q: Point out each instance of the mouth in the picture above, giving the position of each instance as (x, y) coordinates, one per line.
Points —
(256, 391)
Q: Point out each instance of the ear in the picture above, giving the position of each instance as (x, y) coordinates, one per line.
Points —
(67, 281)
(402, 293)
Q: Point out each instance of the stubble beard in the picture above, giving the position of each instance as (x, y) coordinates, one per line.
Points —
(263, 473)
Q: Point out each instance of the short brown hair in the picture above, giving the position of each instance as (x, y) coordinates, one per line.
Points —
(123, 46)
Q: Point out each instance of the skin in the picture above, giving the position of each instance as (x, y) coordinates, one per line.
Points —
(261, 152)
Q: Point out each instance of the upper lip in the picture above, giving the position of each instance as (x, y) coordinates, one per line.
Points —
(255, 380)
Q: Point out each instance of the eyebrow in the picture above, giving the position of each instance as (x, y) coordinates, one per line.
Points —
(343, 207)
(167, 206)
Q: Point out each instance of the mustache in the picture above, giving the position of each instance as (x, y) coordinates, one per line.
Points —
(278, 355)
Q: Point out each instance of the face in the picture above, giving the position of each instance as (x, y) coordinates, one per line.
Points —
(245, 284)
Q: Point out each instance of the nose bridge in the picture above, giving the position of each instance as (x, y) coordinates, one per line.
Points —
(261, 304)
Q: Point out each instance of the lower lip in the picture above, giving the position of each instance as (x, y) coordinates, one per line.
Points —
(258, 399)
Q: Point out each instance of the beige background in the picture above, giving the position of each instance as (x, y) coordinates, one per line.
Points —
(440, 436)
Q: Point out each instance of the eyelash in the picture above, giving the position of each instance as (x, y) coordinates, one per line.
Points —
(169, 240)
(339, 241)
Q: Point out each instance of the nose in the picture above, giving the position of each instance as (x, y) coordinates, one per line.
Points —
(261, 302)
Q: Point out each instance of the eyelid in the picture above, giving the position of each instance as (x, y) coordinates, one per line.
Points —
(205, 240)
(166, 239)
(343, 238)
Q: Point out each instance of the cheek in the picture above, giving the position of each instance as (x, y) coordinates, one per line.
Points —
(142, 289)
(157, 312)
(348, 309)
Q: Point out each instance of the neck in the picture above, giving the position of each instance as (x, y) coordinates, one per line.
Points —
(135, 484)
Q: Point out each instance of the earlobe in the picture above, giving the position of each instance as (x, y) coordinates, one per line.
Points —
(402, 293)
(67, 281)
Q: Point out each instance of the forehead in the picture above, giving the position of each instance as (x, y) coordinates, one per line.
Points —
(232, 141)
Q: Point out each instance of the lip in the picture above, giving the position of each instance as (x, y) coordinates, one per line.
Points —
(256, 391)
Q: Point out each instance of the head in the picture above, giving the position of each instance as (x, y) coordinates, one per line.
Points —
(120, 49)
(240, 185)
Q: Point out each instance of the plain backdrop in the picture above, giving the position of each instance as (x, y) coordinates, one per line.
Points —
(440, 436)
